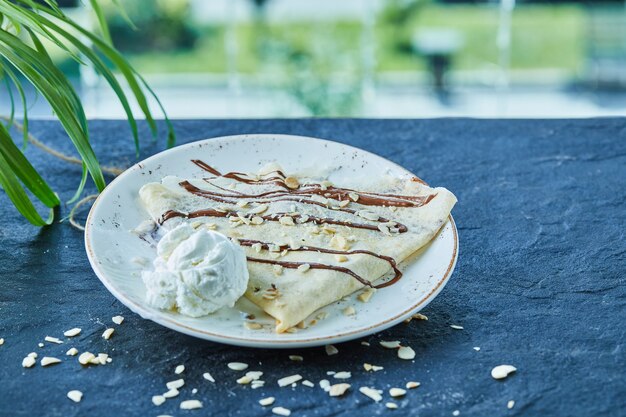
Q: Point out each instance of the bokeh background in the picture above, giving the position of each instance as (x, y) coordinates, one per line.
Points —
(365, 58)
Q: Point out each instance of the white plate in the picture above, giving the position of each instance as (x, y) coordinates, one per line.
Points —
(111, 246)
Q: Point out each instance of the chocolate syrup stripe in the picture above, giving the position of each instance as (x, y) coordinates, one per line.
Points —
(272, 217)
(307, 191)
(365, 198)
(265, 245)
(220, 197)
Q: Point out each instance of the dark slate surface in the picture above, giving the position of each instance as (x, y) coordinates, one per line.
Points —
(539, 284)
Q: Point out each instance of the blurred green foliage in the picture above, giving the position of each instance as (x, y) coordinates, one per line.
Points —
(398, 17)
(161, 26)
(321, 72)
(543, 37)
(320, 63)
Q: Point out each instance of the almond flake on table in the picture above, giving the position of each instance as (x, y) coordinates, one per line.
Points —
(208, 377)
(338, 390)
(412, 385)
(194, 391)
(106, 335)
(397, 392)
(95, 360)
(281, 411)
(371, 393)
(296, 358)
(456, 327)
(32, 355)
(502, 371)
(40, 344)
(288, 380)
(158, 400)
(72, 332)
(365, 343)
(179, 369)
(244, 380)
(48, 360)
(238, 366)
(190, 405)
(171, 393)
(342, 375)
(391, 406)
(28, 362)
(476, 348)
(369, 367)
(102, 358)
(1, 341)
(325, 385)
(85, 358)
(117, 319)
(254, 375)
(419, 316)
(177, 383)
(267, 401)
(406, 353)
(75, 395)
(390, 345)
(53, 340)
(510, 404)
(308, 383)
(331, 350)
(456, 413)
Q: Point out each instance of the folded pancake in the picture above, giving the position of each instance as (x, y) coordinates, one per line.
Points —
(308, 242)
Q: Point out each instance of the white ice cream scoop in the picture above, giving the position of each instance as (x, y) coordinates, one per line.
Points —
(196, 271)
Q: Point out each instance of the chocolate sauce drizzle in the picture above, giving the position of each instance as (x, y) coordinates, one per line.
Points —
(314, 265)
(336, 193)
(301, 194)
(274, 217)
(223, 198)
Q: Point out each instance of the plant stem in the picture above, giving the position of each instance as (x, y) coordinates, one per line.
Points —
(67, 158)
(57, 154)
(73, 222)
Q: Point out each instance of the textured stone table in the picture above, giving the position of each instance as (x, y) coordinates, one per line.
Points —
(539, 285)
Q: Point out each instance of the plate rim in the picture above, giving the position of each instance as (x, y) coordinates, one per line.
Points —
(251, 342)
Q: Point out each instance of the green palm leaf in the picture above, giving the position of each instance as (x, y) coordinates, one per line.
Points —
(29, 57)
(57, 90)
(10, 74)
(25, 171)
(11, 185)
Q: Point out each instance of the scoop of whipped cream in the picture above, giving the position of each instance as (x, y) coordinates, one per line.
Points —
(196, 271)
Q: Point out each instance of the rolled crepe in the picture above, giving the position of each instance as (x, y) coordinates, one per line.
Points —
(309, 243)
